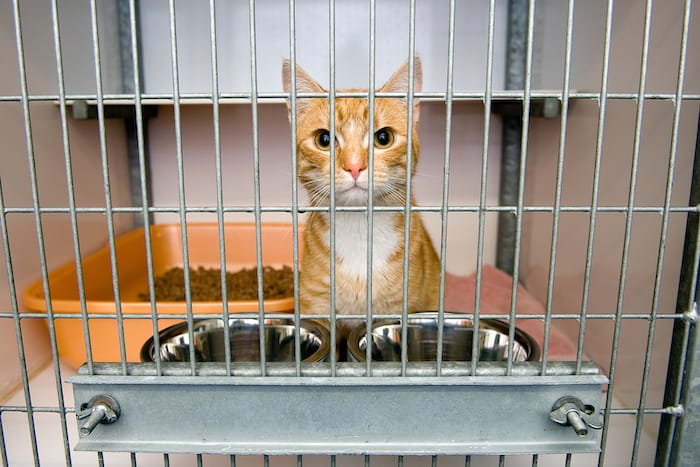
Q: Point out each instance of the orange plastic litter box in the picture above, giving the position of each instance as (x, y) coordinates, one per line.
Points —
(166, 243)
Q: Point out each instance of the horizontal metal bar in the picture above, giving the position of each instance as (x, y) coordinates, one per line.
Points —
(676, 411)
(344, 369)
(305, 209)
(35, 409)
(279, 97)
(337, 415)
(254, 315)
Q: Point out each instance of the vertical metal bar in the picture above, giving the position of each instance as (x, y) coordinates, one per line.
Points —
(219, 185)
(143, 176)
(623, 265)
(446, 183)
(331, 206)
(467, 461)
(18, 327)
(409, 160)
(370, 187)
(295, 184)
(521, 182)
(233, 460)
(29, 141)
(181, 179)
(664, 228)
(602, 106)
(512, 133)
(685, 304)
(535, 460)
(484, 177)
(671, 429)
(501, 461)
(3, 448)
(256, 180)
(106, 181)
(70, 183)
(127, 58)
(558, 184)
(686, 449)
(100, 459)
(370, 173)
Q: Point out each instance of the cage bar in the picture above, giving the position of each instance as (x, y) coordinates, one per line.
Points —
(332, 208)
(29, 141)
(626, 246)
(370, 186)
(18, 335)
(488, 93)
(175, 76)
(445, 186)
(524, 134)
(70, 181)
(664, 230)
(558, 189)
(410, 99)
(295, 182)
(256, 177)
(143, 174)
(219, 177)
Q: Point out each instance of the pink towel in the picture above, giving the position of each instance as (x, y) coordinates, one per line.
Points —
(496, 287)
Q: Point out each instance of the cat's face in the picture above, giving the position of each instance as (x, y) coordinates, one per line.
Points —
(352, 139)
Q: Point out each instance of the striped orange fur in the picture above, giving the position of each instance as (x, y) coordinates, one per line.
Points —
(351, 189)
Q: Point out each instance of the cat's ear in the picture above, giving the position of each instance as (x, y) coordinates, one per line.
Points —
(304, 82)
(399, 82)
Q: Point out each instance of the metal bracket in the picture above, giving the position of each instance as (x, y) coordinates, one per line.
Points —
(448, 415)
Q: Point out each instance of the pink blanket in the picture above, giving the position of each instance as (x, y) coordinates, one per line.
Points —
(496, 287)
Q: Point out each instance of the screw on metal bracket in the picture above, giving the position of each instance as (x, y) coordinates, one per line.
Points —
(570, 411)
(100, 409)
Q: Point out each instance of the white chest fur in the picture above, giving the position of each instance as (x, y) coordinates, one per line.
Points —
(351, 241)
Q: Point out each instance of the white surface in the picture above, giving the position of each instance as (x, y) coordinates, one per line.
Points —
(312, 43)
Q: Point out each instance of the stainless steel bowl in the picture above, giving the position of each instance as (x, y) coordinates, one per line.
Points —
(174, 342)
(458, 335)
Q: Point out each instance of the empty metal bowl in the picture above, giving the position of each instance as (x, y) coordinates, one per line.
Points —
(458, 335)
(244, 334)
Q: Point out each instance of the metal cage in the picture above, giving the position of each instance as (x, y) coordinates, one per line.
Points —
(94, 94)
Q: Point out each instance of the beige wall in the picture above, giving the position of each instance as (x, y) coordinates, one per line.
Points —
(614, 188)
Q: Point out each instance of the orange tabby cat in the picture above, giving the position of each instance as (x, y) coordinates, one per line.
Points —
(390, 141)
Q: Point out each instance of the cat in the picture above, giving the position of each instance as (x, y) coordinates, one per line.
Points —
(351, 189)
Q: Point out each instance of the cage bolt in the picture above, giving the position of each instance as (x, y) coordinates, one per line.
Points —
(100, 409)
(570, 411)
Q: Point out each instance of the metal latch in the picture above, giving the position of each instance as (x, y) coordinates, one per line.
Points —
(100, 409)
(570, 411)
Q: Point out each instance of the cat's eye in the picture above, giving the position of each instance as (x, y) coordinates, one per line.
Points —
(323, 140)
(383, 138)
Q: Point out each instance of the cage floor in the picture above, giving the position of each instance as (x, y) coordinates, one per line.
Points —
(51, 446)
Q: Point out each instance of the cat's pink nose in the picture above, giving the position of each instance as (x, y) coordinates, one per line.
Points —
(355, 168)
